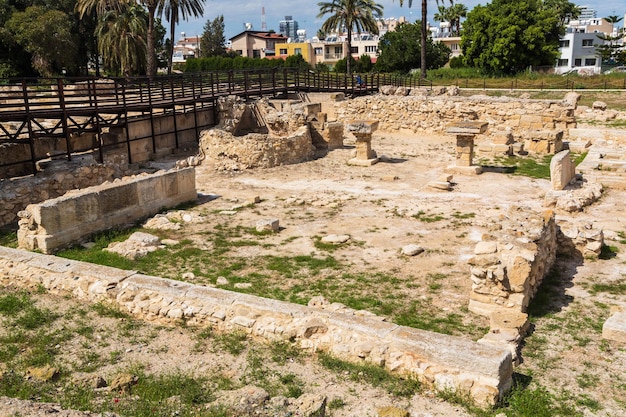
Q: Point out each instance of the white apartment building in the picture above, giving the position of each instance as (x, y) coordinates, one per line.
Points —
(578, 46)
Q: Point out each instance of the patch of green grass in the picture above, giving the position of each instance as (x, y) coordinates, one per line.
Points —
(427, 218)
(586, 380)
(616, 288)
(459, 215)
(109, 310)
(231, 342)
(608, 252)
(375, 375)
(12, 304)
(8, 238)
(283, 351)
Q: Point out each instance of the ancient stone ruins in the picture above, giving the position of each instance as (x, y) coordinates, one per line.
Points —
(506, 266)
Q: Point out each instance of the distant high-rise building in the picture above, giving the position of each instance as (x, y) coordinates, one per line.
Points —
(587, 13)
(288, 27)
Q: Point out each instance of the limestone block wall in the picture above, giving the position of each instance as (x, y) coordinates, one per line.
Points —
(17, 193)
(433, 114)
(441, 361)
(62, 221)
(508, 267)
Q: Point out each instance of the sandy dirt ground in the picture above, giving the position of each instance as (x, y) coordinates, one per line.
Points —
(382, 208)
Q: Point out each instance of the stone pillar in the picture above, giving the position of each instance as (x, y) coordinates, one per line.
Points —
(362, 130)
(465, 133)
(464, 150)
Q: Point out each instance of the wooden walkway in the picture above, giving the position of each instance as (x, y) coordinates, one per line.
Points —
(56, 108)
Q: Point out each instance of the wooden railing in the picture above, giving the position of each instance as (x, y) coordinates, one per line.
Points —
(34, 109)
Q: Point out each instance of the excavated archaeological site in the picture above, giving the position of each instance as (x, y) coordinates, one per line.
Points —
(389, 230)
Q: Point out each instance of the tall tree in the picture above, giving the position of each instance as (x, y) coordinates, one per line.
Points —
(103, 7)
(610, 51)
(175, 10)
(563, 9)
(350, 15)
(452, 15)
(122, 39)
(399, 50)
(507, 36)
(213, 40)
(47, 36)
(424, 33)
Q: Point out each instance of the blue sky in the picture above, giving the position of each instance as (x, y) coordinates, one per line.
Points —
(238, 12)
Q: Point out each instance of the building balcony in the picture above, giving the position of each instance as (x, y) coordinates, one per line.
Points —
(333, 57)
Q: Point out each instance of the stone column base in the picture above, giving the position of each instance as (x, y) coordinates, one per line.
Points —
(362, 162)
(464, 170)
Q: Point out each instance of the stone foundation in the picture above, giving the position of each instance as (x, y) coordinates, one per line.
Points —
(258, 135)
(440, 361)
(65, 220)
(507, 269)
(56, 179)
(536, 121)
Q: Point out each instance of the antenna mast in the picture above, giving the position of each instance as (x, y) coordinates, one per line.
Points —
(263, 24)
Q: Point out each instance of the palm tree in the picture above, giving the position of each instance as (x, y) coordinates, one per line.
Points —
(350, 15)
(122, 39)
(424, 31)
(102, 7)
(453, 15)
(175, 9)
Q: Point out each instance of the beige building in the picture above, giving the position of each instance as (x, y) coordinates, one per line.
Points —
(257, 44)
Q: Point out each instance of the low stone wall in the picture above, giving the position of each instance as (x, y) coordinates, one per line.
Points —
(507, 268)
(442, 361)
(527, 120)
(258, 135)
(55, 180)
(62, 221)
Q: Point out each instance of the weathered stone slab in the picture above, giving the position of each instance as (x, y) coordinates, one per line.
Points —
(467, 128)
(615, 328)
(362, 126)
(62, 221)
(562, 170)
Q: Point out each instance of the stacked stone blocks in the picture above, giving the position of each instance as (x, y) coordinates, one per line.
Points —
(441, 361)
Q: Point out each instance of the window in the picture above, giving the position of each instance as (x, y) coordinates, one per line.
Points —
(578, 62)
(564, 43)
(297, 51)
(354, 50)
(338, 50)
(283, 51)
(319, 51)
(256, 53)
(587, 42)
(590, 62)
(562, 63)
(370, 48)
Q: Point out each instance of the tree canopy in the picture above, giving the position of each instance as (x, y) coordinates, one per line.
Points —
(400, 50)
(213, 40)
(508, 36)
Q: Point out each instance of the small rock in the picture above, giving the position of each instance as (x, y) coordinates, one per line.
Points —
(222, 281)
(243, 285)
(270, 225)
(311, 405)
(43, 374)
(335, 239)
(188, 276)
(123, 382)
(411, 250)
